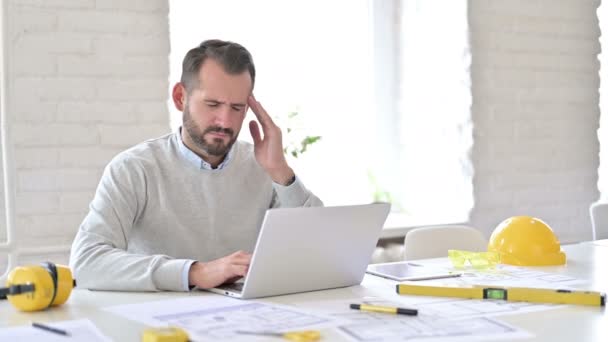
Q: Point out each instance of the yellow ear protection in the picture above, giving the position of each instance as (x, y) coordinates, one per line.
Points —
(37, 287)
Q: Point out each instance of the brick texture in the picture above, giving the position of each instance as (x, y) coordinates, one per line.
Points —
(535, 112)
(87, 79)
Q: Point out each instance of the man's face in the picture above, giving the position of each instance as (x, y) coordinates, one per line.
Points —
(215, 109)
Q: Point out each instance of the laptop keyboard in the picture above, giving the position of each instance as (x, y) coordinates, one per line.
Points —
(235, 287)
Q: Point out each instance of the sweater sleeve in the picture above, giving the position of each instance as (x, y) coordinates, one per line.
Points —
(99, 257)
(294, 195)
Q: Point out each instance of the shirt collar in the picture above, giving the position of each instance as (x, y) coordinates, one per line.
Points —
(197, 161)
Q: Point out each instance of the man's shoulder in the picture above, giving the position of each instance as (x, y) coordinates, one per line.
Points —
(149, 152)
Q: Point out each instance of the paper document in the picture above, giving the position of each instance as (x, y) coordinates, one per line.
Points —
(217, 318)
(506, 275)
(427, 326)
(446, 307)
(428, 329)
(81, 330)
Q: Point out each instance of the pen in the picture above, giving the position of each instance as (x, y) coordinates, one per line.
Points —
(517, 294)
(384, 309)
(50, 329)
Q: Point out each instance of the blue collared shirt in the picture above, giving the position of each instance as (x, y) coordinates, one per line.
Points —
(198, 161)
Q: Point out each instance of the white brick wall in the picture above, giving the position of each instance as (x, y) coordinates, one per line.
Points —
(603, 131)
(535, 112)
(88, 78)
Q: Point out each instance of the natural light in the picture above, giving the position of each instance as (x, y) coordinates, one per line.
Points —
(323, 59)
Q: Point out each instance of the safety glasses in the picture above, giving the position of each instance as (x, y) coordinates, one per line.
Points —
(476, 260)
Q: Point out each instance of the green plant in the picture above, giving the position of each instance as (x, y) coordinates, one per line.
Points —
(292, 148)
(379, 194)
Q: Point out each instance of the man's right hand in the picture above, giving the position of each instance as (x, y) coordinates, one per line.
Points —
(207, 275)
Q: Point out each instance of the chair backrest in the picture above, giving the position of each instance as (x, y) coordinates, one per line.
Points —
(599, 220)
(434, 241)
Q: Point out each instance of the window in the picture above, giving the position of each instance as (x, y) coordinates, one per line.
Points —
(343, 65)
(435, 129)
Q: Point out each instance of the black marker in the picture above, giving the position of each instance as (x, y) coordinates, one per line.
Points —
(50, 329)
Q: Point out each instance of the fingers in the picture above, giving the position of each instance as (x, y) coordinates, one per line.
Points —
(233, 272)
(213, 273)
(239, 258)
(240, 253)
(239, 264)
(239, 270)
(232, 280)
(260, 113)
(255, 132)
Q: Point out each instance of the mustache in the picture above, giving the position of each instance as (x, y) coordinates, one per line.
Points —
(219, 130)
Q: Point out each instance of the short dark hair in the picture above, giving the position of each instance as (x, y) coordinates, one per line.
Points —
(232, 56)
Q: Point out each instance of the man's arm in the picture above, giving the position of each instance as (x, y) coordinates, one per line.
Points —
(99, 258)
(293, 195)
(288, 189)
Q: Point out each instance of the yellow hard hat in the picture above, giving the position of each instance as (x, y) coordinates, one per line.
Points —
(526, 241)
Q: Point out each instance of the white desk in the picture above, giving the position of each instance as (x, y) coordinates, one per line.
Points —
(572, 323)
(603, 243)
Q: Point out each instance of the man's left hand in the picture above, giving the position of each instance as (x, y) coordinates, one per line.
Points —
(269, 149)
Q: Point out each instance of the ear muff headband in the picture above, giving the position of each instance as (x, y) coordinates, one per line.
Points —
(53, 272)
(15, 290)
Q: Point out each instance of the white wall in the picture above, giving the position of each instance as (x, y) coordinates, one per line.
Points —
(603, 131)
(87, 80)
(535, 112)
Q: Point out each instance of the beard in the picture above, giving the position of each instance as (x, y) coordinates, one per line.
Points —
(216, 146)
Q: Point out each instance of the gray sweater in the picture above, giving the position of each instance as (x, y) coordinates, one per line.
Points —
(155, 212)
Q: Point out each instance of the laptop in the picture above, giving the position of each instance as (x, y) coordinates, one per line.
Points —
(309, 249)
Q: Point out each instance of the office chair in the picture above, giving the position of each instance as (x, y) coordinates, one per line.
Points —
(434, 241)
(599, 220)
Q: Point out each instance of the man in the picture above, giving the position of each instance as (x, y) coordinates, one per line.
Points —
(185, 209)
